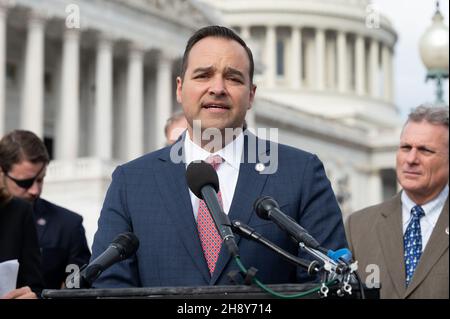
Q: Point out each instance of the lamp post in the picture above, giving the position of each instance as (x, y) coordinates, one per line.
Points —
(433, 46)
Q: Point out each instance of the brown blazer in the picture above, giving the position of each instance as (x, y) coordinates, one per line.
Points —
(375, 236)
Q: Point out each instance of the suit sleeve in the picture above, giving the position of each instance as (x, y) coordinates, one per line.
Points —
(30, 258)
(348, 231)
(114, 219)
(319, 211)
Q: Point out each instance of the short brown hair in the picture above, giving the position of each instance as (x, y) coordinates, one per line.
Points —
(5, 197)
(21, 145)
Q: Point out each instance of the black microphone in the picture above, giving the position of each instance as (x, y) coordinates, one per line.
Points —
(203, 181)
(122, 247)
(246, 231)
(267, 208)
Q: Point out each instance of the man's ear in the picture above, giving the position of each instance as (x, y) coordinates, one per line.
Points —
(179, 88)
(252, 96)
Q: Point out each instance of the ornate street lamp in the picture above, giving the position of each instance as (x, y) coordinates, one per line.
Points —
(433, 46)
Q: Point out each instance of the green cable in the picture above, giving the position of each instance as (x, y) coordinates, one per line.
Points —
(277, 294)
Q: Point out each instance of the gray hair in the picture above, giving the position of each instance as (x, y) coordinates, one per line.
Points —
(437, 115)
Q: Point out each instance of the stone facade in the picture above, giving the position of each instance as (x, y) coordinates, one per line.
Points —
(96, 80)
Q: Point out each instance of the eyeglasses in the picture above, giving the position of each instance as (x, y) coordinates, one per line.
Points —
(25, 183)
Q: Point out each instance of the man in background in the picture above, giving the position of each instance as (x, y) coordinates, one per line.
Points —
(60, 232)
(175, 126)
(405, 239)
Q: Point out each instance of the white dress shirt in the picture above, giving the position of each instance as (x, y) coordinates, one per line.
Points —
(228, 171)
(432, 211)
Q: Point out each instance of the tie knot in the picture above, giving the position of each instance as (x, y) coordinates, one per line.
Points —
(417, 211)
(215, 161)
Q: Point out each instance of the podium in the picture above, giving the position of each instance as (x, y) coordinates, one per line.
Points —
(203, 292)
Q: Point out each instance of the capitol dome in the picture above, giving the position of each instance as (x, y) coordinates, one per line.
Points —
(324, 71)
(329, 57)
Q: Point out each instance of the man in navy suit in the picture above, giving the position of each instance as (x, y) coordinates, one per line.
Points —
(61, 235)
(150, 197)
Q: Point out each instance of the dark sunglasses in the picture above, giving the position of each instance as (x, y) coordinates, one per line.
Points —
(25, 183)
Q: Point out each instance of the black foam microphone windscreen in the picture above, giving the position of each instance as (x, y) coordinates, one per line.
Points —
(199, 174)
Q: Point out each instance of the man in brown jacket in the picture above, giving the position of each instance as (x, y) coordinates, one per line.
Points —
(402, 243)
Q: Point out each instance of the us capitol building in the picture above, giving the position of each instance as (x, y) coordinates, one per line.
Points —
(96, 80)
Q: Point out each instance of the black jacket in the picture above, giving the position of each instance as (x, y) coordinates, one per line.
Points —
(62, 241)
(18, 240)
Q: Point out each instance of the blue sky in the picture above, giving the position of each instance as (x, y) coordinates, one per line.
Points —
(410, 19)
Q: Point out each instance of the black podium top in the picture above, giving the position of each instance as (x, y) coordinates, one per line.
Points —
(201, 292)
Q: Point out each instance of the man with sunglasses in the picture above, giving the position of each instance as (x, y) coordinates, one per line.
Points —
(62, 241)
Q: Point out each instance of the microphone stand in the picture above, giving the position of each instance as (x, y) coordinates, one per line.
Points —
(340, 271)
(331, 268)
(246, 231)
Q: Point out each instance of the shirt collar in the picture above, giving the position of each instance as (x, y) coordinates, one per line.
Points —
(428, 207)
(231, 153)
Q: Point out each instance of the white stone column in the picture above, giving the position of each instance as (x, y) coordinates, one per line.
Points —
(32, 108)
(342, 62)
(3, 14)
(310, 65)
(391, 75)
(271, 55)
(245, 32)
(387, 73)
(104, 106)
(246, 36)
(296, 58)
(164, 96)
(320, 59)
(373, 74)
(67, 138)
(120, 112)
(375, 189)
(134, 103)
(250, 116)
(331, 64)
(360, 65)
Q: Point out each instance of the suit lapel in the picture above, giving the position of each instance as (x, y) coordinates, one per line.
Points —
(171, 181)
(41, 219)
(390, 235)
(436, 246)
(248, 188)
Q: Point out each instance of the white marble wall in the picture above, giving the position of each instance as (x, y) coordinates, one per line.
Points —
(112, 87)
(79, 110)
(85, 87)
(335, 60)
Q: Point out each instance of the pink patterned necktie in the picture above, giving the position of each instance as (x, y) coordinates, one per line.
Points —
(207, 231)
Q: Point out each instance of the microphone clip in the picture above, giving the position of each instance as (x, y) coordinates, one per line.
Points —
(250, 275)
(236, 276)
(84, 284)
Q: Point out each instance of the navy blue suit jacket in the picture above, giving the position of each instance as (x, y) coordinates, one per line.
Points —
(149, 196)
(61, 239)
(18, 241)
